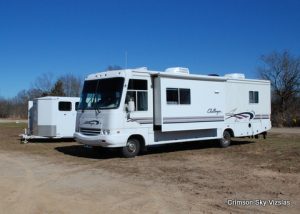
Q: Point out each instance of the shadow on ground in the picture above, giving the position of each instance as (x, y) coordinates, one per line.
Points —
(49, 140)
(109, 153)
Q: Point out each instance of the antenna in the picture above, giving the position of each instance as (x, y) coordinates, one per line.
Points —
(126, 59)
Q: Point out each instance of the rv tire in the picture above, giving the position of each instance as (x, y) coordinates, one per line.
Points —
(226, 140)
(131, 149)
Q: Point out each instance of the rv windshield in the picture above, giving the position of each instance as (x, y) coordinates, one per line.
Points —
(101, 94)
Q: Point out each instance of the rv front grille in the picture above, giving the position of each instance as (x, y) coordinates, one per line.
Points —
(87, 131)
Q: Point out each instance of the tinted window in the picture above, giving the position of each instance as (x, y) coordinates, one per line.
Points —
(101, 94)
(172, 96)
(178, 96)
(253, 97)
(185, 96)
(64, 106)
(135, 84)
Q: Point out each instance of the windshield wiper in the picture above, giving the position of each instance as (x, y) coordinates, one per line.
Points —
(96, 104)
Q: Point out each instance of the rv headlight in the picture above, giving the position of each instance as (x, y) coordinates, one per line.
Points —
(105, 131)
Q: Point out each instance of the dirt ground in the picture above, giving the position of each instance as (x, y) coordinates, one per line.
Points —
(198, 177)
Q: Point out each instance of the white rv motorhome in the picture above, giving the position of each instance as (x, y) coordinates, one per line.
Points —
(51, 117)
(136, 108)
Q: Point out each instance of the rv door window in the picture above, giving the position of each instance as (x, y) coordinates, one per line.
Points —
(253, 97)
(137, 91)
(64, 106)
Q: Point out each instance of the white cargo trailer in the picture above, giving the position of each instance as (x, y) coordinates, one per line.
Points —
(136, 108)
(51, 118)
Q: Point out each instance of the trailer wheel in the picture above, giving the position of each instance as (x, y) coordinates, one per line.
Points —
(226, 140)
(131, 149)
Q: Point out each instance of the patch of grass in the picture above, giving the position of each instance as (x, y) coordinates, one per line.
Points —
(278, 153)
(13, 125)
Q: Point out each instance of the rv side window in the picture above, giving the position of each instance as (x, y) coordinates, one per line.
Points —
(184, 96)
(137, 91)
(76, 106)
(64, 106)
(172, 96)
(253, 97)
(178, 96)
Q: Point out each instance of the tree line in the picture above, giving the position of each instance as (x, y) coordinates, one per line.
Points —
(44, 85)
(281, 68)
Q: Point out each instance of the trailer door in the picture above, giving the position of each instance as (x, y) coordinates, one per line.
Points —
(66, 119)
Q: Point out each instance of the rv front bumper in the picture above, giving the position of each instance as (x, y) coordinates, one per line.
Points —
(100, 140)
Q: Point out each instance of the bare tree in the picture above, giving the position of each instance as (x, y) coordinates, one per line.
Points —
(20, 103)
(71, 85)
(283, 70)
(34, 93)
(5, 108)
(57, 89)
(44, 83)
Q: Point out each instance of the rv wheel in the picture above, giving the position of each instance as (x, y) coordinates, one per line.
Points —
(225, 141)
(131, 149)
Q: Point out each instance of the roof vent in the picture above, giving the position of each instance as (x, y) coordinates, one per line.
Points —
(177, 70)
(141, 69)
(235, 76)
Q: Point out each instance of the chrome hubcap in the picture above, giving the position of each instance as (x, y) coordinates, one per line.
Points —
(131, 147)
(226, 139)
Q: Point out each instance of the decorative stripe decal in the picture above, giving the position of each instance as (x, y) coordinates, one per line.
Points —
(242, 115)
(141, 120)
(261, 116)
(170, 120)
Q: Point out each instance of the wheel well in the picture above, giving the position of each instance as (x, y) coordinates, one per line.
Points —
(141, 140)
(230, 132)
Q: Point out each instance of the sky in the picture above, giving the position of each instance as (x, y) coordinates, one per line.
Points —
(80, 37)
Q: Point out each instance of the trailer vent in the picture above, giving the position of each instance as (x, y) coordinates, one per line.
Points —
(90, 132)
(177, 70)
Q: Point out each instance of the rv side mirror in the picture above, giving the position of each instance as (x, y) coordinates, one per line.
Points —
(131, 106)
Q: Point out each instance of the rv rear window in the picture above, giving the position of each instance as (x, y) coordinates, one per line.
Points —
(64, 106)
(253, 97)
(178, 96)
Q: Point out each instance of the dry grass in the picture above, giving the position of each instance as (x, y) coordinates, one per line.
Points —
(201, 171)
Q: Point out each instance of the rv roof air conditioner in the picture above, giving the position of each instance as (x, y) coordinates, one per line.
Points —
(235, 76)
(177, 70)
(141, 69)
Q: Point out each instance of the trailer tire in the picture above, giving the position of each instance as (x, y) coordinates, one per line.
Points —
(226, 140)
(131, 149)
